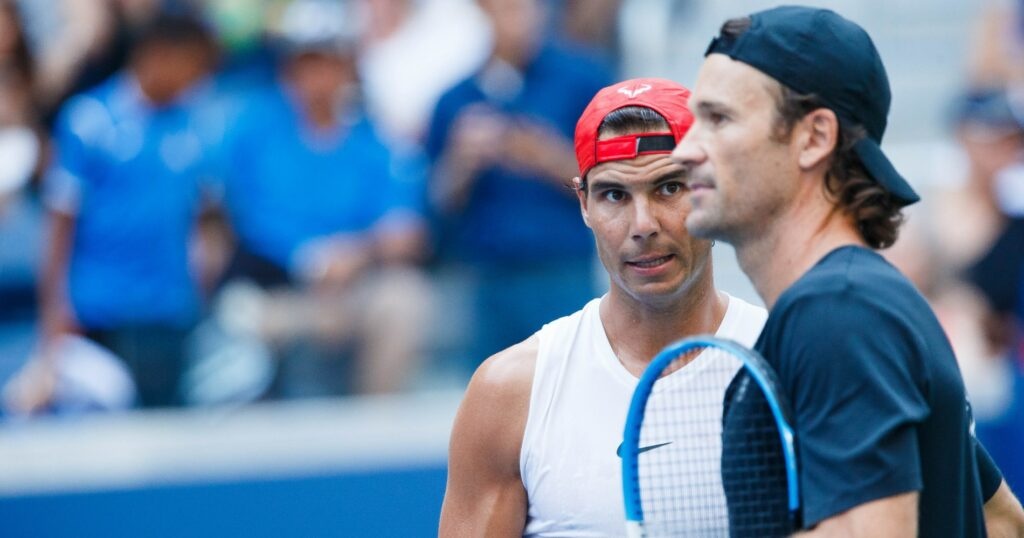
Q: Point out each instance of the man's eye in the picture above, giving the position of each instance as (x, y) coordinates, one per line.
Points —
(716, 118)
(668, 189)
(614, 196)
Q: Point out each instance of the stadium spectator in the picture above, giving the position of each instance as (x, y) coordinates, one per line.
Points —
(500, 146)
(80, 43)
(992, 138)
(967, 270)
(123, 194)
(990, 130)
(328, 221)
(999, 274)
(21, 214)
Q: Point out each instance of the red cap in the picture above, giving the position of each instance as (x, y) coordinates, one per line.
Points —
(663, 96)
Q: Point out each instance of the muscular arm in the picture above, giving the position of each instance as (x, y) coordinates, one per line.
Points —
(485, 494)
(1004, 517)
(892, 516)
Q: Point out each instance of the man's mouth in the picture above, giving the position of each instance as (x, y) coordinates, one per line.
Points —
(647, 263)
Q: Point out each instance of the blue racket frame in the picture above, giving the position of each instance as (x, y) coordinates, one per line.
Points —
(759, 370)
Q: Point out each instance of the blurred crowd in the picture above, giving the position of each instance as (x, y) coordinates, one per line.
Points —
(977, 236)
(222, 201)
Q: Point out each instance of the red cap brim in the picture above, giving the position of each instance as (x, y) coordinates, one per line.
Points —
(665, 97)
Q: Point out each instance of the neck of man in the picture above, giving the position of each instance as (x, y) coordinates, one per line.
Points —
(790, 244)
(638, 329)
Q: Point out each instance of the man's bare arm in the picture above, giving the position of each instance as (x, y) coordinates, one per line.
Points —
(485, 494)
(894, 516)
(1004, 517)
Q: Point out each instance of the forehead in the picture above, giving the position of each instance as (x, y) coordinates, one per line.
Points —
(724, 81)
(642, 169)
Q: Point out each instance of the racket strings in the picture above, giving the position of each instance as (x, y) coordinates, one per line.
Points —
(753, 466)
(680, 482)
(684, 489)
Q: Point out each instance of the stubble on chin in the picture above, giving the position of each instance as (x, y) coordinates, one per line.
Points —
(700, 223)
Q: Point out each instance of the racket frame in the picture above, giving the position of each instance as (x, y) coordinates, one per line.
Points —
(759, 370)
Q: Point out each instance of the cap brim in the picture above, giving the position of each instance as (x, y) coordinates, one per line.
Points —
(882, 170)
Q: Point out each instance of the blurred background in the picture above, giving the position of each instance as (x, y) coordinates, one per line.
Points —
(252, 250)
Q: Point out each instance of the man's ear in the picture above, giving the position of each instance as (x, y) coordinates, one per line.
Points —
(581, 195)
(818, 138)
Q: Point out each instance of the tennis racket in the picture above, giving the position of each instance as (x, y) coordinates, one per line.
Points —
(708, 448)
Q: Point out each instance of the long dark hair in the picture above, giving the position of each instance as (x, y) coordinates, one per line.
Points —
(877, 214)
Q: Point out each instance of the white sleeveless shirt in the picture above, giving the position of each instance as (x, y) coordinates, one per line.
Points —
(578, 406)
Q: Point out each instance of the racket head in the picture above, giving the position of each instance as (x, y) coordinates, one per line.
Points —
(688, 491)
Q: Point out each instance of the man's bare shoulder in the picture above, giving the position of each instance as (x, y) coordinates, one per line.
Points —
(492, 417)
(485, 494)
(501, 386)
(510, 371)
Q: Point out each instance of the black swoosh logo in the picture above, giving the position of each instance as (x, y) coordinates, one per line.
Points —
(641, 450)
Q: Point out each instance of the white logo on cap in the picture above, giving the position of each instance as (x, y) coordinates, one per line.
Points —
(635, 90)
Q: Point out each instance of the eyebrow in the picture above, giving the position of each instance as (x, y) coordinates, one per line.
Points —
(605, 184)
(706, 107)
(673, 175)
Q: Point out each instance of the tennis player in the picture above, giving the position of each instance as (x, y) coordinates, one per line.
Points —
(783, 162)
(534, 446)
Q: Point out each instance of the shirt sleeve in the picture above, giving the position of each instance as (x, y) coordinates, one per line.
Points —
(82, 119)
(856, 403)
(988, 472)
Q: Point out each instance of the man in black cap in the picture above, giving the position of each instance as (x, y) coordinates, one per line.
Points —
(784, 162)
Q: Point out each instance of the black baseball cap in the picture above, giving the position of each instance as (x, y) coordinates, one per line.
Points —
(817, 51)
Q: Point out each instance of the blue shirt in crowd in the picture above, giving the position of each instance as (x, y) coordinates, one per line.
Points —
(289, 182)
(130, 174)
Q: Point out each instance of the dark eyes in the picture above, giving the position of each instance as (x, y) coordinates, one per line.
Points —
(613, 195)
(668, 189)
(716, 118)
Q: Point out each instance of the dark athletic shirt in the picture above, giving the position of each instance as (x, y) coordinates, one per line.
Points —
(878, 402)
